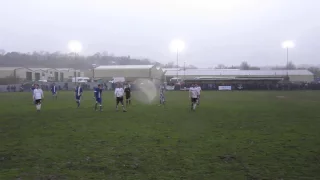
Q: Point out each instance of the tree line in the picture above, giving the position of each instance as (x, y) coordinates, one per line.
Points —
(66, 60)
(70, 60)
(290, 66)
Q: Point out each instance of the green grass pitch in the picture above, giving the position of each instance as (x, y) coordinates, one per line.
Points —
(232, 135)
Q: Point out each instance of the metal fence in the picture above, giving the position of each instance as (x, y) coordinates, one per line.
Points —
(109, 86)
(46, 86)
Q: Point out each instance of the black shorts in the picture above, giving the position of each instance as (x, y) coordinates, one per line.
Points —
(119, 99)
(37, 101)
(194, 100)
(128, 97)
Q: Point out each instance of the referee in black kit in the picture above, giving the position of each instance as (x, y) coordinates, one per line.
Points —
(127, 91)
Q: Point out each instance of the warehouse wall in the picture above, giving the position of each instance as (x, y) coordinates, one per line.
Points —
(301, 78)
(157, 73)
(6, 73)
(293, 78)
(105, 73)
(41, 73)
(70, 74)
(88, 73)
(22, 73)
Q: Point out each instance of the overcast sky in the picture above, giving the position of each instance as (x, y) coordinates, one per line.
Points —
(214, 31)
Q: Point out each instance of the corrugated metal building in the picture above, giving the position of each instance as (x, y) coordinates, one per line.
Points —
(35, 74)
(50, 74)
(294, 75)
(16, 72)
(130, 72)
(7, 71)
(69, 73)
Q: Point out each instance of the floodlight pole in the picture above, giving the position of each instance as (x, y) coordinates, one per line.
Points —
(93, 71)
(177, 62)
(288, 61)
(75, 72)
(184, 71)
(93, 74)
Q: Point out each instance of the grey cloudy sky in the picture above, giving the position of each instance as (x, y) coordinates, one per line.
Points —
(214, 31)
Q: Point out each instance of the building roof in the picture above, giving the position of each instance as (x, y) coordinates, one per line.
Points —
(16, 68)
(170, 69)
(124, 67)
(36, 69)
(216, 72)
(9, 68)
(66, 69)
(41, 69)
(236, 78)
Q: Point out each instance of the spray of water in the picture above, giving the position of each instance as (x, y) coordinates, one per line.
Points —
(147, 91)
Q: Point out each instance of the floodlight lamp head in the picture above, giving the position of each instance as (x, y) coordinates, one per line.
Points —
(288, 44)
(75, 46)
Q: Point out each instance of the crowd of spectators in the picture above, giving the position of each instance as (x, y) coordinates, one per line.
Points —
(257, 86)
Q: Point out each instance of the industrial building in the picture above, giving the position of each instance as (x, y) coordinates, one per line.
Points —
(294, 75)
(49, 74)
(69, 73)
(132, 72)
(18, 73)
(36, 74)
(129, 72)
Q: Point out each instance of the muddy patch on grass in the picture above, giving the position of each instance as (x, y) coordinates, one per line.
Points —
(227, 158)
(42, 177)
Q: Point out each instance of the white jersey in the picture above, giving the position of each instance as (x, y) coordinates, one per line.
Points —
(118, 92)
(198, 90)
(37, 94)
(193, 92)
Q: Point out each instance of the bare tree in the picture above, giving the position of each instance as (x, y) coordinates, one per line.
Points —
(221, 66)
(244, 66)
(315, 71)
(169, 65)
(2, 51)
(291, 66)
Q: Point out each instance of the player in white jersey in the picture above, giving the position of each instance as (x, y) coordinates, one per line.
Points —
(199, 92)
(193, 94)
(118, 93)
(38, 97)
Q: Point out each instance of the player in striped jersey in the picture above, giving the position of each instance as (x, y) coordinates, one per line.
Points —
(78, 94)
(98, 97)
(54, 91)
(162, 96)
(127, 91)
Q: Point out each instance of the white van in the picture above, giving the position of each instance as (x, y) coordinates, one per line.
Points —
(117, 79)
(81, 79)
(175, 80)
